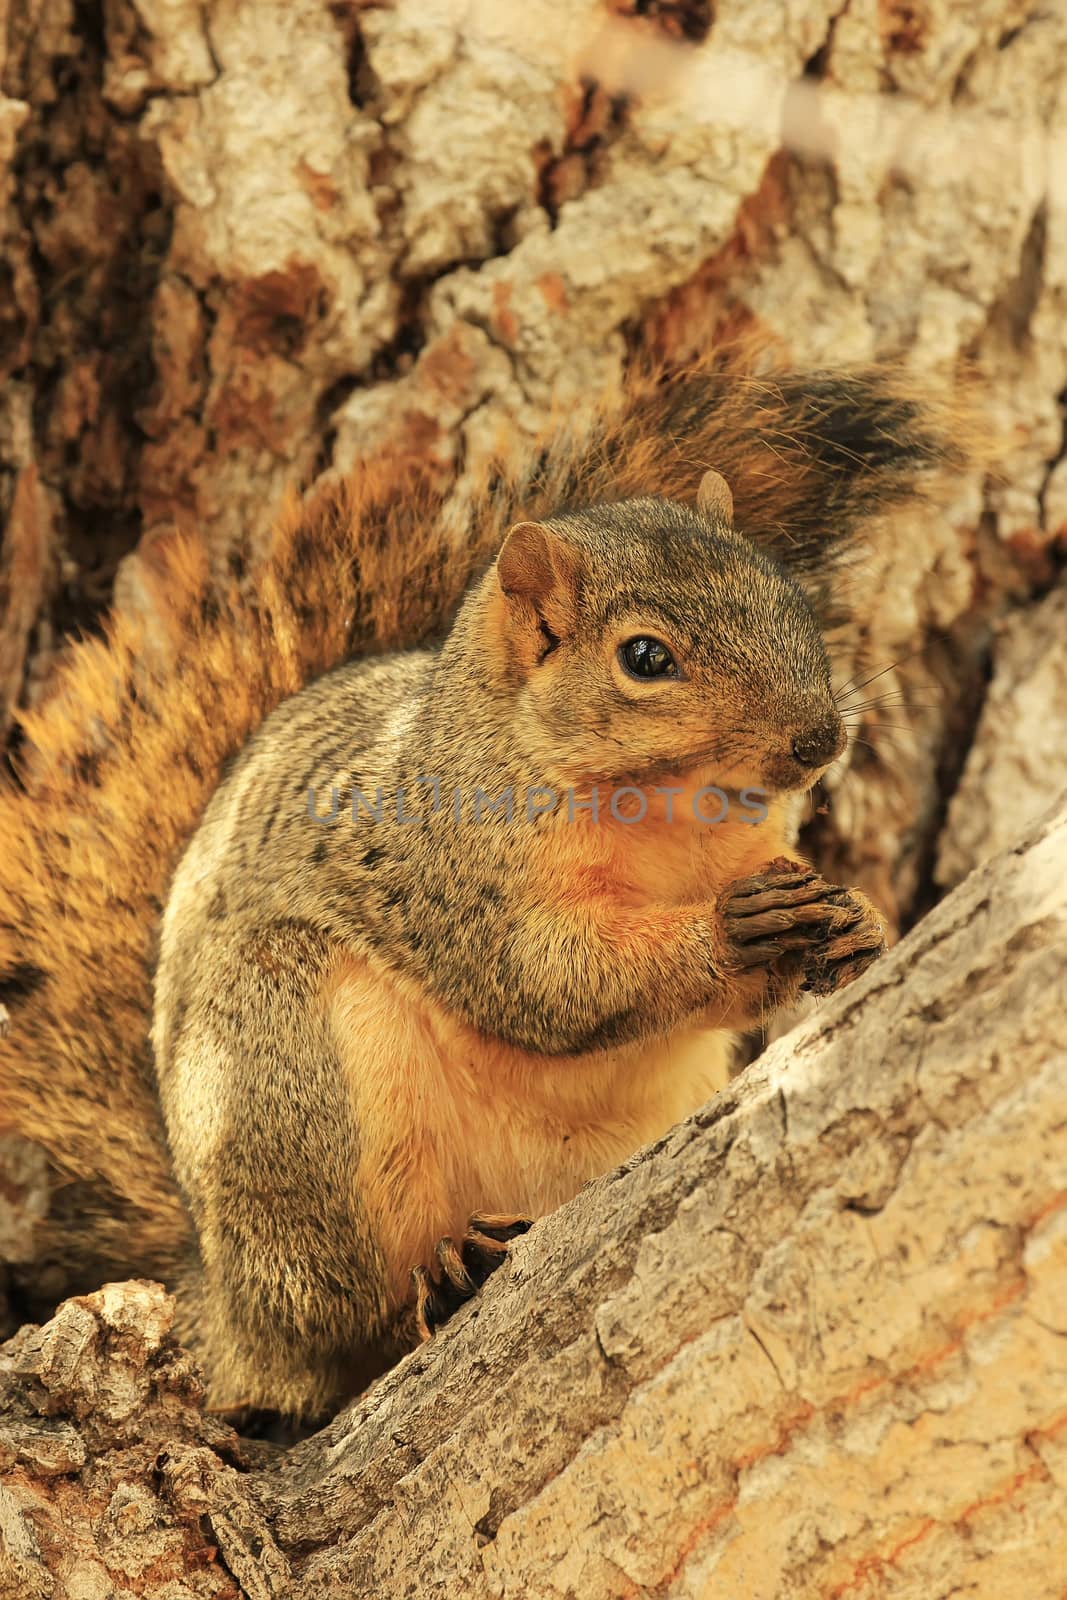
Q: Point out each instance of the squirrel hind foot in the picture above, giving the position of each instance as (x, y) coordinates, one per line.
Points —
(461, 1270)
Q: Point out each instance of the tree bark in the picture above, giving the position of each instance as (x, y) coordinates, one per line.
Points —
(810, 1344)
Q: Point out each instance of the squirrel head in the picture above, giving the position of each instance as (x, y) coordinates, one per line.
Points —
(648, 639)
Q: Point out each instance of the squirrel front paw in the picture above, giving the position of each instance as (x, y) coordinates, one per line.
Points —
(462, 1269)
(796, 926)
(850, 949)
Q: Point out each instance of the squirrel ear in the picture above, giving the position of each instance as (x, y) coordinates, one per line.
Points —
(537, 568)
(714, 498)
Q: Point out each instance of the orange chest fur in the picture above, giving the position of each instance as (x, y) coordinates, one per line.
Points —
(654, 861)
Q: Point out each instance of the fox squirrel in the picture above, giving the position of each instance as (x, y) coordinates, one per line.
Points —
(460, 926)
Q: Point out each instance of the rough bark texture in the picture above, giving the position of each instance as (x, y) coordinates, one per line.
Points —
(240, 244)
(811, 1344)
(114, 1482)
(1019, 753)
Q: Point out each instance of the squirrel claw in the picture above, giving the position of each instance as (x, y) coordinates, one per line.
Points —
(845, 957)
(462, 1269)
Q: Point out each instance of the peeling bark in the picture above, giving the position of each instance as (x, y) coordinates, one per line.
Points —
(115, 1483)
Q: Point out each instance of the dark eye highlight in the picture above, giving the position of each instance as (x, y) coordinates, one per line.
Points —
(647, 658)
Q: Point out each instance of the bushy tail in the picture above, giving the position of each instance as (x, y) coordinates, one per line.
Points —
(118, 765)
(810, 456)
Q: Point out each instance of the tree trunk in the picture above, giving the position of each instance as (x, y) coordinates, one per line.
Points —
(811, 1344)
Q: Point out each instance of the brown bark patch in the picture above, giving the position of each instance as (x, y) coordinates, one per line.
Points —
(275, 312)
(505, 322)
(688, 21)
(709, 307)
(593, 114)
(319, 185)
(23, 567)
(903, 27)
(554, 291)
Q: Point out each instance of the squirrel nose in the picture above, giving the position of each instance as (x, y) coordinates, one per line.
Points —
(818, 746)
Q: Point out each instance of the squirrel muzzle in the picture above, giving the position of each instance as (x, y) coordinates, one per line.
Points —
(810, 752)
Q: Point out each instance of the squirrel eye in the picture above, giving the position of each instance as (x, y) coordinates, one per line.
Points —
(647, 658)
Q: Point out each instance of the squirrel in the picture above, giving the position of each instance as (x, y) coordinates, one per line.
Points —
(458, 850)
